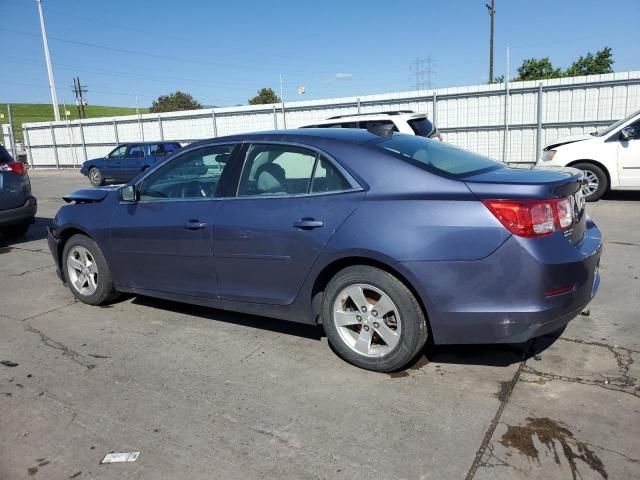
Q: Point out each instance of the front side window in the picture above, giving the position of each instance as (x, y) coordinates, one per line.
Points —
(192, 175)
(288, 170)
(421, 126)
(118, 152)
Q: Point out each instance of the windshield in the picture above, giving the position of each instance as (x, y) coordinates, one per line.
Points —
(611, 128)
(437, 155)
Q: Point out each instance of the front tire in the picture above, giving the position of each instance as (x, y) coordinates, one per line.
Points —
(95, 177)
(372, 320)
(86, 271)
(597, 181)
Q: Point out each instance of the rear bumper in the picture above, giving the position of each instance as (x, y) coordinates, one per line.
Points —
(20, 214)
(501, 299)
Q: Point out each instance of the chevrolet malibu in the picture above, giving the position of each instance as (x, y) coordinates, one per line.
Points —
(385, 240)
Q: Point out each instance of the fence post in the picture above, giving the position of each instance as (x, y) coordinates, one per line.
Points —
(539, 129)
(84, 145)
(160, 127)
(506, 120)
(214, 122)
(434, 120)
(358, 105)
(284, 117)
(55, 145)
(115, 131)
(12, 139)
(275, 118)
(25, 134)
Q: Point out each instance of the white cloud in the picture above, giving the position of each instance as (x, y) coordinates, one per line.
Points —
(343, 76)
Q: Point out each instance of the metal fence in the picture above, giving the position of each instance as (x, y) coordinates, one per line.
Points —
(481, 118)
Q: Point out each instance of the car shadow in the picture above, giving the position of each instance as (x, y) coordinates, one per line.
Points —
(622, 195)
(313, 332)
(496, 355)
(37, 231)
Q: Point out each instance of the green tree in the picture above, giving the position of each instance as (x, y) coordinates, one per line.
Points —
(591, 64)
(537, 69)
(174, 102)
(265, 95)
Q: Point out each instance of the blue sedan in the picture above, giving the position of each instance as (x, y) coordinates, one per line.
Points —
(384, 239)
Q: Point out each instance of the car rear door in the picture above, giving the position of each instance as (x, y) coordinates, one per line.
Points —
(111, 166)
(13, 186)
(289, 202)
(133, 163)
(164, 241)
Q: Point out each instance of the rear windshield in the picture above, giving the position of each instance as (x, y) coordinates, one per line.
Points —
(436, 155)
(4, 155)
(421, 126)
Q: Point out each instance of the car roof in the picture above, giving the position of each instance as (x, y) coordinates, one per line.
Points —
(307, 135)
(368, 116)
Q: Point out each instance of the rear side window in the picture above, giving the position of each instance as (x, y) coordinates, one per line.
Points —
(136, 151)
(288, 170)
(421, 126)
(440, 156)
(373, 124)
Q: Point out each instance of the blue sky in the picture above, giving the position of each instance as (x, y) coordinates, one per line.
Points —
(223, 51)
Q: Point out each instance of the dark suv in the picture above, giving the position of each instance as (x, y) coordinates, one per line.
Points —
(126, 161)
(17, 205)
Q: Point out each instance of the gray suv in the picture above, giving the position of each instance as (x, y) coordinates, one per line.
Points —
(17, 206)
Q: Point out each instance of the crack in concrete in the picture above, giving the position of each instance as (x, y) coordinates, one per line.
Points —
(31, 271)
(597, 344)
(505, 394)
(66, 351)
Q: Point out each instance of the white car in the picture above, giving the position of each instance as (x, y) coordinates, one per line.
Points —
(403, 121)
(610, 158)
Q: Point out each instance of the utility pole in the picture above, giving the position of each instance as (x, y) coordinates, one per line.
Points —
(79, 91)
(47, 57)
(492, 12)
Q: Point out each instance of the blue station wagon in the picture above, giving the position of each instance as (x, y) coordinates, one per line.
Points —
(126, 161)
(384, 239)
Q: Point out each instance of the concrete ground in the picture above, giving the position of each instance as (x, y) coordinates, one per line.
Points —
(205, 394)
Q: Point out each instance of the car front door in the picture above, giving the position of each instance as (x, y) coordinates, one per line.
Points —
(289, 202)
(112, 165)
(629, 156)
(164, 240)
(133, 163)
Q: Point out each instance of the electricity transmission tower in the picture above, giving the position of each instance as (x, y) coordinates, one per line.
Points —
(422, 69)
(81, 101)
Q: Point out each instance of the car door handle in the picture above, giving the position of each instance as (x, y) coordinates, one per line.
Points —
(308, 224)
(194, 225)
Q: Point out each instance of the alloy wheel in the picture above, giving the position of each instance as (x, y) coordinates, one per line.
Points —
(592, 183)
(367, 320)
(82, 270)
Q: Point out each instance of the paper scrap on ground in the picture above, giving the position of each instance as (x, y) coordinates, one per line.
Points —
(120, 457)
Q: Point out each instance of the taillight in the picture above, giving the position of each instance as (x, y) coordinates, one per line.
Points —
(532, 218)
(17, 167)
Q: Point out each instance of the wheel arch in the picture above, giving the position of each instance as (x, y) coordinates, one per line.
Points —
(63, 238)
(597, 164)
(331, 269)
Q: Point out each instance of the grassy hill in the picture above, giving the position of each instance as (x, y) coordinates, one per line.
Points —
(42, 112)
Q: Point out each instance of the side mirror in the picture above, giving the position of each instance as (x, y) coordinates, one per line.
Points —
(628, 133)
(129, 194)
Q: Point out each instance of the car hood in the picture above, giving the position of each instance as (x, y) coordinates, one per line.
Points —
(569, 139)
(90, 195)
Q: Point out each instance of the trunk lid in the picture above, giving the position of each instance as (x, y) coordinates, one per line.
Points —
(535, 183)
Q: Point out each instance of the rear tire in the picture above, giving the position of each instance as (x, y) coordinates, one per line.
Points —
(86, 271)
(372, 320)
(17, 230)
(597, 181)
(95, 177)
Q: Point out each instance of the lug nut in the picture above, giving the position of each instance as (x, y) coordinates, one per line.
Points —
(366, 328)
(376, 324)
(374, 313)
(364, 309)
(358, 318)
